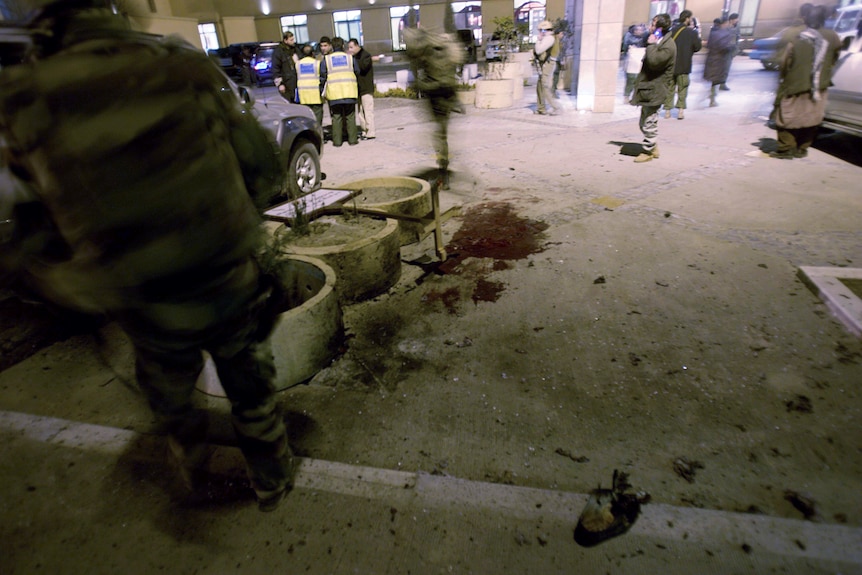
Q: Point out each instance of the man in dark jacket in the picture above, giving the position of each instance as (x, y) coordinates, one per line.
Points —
(284, 59)
(365, 80)
(140, 163)
(652, 84)
(687, 42)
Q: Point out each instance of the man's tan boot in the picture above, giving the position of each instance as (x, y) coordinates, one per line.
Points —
(681, 115)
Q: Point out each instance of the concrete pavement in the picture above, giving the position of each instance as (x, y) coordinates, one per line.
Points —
(85, 492)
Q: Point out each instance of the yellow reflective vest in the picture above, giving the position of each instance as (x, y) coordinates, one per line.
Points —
(308, 81)
(340, 77)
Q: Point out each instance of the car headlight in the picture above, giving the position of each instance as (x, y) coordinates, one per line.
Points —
(260, 66)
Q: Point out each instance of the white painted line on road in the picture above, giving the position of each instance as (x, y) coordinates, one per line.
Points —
(785, 537)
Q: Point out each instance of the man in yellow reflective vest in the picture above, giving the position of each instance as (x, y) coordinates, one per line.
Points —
(338, 84)
(308, 82)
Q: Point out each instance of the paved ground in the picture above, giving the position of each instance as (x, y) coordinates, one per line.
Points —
(459, 451)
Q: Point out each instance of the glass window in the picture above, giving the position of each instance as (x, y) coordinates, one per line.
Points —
(400, 18)
(209, 38)
(748, 17)
(671, 7)
(348, 24)
(298, 24)
(468, 16)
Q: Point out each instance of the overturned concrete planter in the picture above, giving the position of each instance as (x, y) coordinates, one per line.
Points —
(366, 258)
(494, 93)
(307, 336)
(400, 195)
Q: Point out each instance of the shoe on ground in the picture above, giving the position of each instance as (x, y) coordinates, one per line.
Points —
(787, 155)
(681, 115)
(369, 138)
(667, 113)
(724, 88)
(269, 501)
(352, 143)
(641, 158)
(713, 104)
(800, 154)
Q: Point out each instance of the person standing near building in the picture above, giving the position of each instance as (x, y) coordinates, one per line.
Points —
(719, 45)
(365, 82)
(652, 84)
(558, 54)
(284, 67)
(733, 28)
(338, 73)
(687, 42)
(145, 207)
(308, 82)
(545, 101)
(634, 45)
(806, 72)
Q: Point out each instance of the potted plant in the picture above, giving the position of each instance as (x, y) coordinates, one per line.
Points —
(497, 89)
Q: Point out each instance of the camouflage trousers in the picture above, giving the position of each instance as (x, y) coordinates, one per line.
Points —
(169, 359)
(649, 127)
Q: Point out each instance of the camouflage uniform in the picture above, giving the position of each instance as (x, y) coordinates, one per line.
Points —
(145, 168)
(435, 58)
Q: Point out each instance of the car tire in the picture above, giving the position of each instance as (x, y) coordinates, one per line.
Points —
(303, 169)
(771, 66)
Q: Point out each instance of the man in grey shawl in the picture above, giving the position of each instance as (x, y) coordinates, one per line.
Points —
(806, 72)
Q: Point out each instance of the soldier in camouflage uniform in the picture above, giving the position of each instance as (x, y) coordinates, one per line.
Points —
(435, 57)
(140, 169)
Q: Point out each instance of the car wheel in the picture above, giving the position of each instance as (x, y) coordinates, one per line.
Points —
(303, 171)
(772, 66)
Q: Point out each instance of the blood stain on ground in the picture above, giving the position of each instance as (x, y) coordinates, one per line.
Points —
(490, 230)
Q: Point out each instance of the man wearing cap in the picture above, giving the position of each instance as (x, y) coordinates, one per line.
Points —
(545, 66)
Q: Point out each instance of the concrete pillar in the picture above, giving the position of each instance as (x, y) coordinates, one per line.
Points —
(596, 51)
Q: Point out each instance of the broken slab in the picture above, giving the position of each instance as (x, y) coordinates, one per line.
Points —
(827, 283)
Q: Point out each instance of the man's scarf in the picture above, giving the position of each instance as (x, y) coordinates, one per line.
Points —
(820, 47)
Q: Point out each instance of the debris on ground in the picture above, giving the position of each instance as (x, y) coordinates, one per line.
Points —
(686, 468)
(609, 512)
(800, 403)
(803, 503)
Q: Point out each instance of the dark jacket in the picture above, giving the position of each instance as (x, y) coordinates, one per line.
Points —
(365, 77)
(687, 43)
(656, 73)
(797, 66)
(284, 67)
(721, 42)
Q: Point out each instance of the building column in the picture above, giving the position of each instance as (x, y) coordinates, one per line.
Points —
(598, 26)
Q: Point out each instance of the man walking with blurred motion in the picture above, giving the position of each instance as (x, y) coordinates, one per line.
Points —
(140, 169)
(687, 41)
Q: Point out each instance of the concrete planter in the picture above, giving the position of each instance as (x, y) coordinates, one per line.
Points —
(396, 195)
(494, 93)
(467, 97)
(501, 70)
(364, 266)
(307, 336)
(525, 60)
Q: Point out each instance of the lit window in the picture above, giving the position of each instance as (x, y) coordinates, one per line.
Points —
(298, 24)
(209, 38)
(348, 24)
(401, 17)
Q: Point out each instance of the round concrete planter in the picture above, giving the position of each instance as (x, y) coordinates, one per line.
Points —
(517, 89)
(467, 97)
(525, 59)
(400, 195)
(365, 266)
(494, 93)
(307, 336)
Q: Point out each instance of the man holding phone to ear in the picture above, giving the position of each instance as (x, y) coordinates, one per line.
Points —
(652, 83)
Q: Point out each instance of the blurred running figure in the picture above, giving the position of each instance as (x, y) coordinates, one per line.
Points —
(140, 167)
